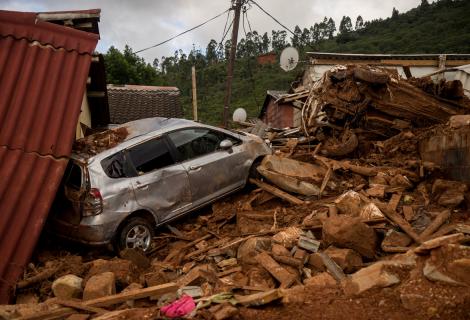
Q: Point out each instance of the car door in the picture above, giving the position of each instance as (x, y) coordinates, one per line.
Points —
(160, 185)
(212, 171)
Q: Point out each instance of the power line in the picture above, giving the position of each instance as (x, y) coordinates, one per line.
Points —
(180, 34)
(256, 4)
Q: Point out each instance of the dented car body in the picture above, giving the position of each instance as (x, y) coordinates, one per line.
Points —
(121, 184)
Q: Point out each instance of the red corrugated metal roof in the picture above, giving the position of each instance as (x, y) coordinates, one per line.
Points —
(43, 72)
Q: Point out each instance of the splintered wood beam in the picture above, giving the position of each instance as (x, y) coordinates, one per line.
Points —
(277, 192)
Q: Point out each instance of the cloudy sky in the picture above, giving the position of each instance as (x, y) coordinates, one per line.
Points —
(142, 23)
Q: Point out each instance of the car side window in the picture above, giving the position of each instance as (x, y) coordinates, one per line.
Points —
(150, 155)
(195, 142)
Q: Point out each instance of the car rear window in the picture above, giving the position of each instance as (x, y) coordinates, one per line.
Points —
(73, 175)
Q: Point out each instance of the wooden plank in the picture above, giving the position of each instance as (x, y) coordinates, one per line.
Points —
(332, 267)
(435, 225)
(282, 275)
(77, 304)
(107, 301)
(277, 192)
(402, 223)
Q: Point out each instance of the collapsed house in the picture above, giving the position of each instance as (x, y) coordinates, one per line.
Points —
(354, 209)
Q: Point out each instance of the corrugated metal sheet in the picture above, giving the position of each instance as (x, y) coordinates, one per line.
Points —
(43, 71)
(133, 102)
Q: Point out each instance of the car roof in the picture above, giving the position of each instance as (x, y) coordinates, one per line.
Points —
(102, 144)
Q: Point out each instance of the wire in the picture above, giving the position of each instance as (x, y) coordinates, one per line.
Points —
(180, 34)
(256, 4)
(225, 27)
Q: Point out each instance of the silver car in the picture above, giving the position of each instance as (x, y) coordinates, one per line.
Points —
(121, 184)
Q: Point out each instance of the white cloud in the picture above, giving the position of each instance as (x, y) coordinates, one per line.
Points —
(142, 23)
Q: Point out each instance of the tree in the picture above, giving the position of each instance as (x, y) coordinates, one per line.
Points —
(315, 33)
(305, 39)
(394, 13)
(359, 23)
(211, 52)
(424, 4)
(331, 28)
(345, 26)
(278, 40)
(156, 63)
(265, 41)
(296, 39)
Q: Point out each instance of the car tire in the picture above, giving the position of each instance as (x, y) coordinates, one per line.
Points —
(137, 233)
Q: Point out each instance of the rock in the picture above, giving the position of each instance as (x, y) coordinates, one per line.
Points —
(431, 272)
(125, 271)
(460, 269)
(412, 301)
(349, 203)
(300, 255)
(289, 237)
(279, 250)
(223, 311)
(350, 232)
(449, 193)
(400, 181)
(374, 276)
(316, 262)
(376, 191)
(370, 211)
(395, 239)
(136, 256)
(347, 259)
(68, 287)
(100, 285)
(251, 247)
(322, 280)
(227, 263)
(260, 278)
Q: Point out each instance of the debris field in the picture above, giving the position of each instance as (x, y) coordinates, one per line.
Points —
(344, 220)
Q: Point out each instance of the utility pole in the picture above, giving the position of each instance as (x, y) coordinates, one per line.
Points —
(228, 93)
(193, 71)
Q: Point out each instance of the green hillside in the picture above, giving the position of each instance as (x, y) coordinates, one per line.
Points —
(439, 27)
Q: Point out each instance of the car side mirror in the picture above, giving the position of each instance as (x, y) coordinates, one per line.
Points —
(226, 144)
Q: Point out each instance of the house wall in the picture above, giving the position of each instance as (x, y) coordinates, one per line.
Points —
(85, 117)
(267, 59)
(279, 115)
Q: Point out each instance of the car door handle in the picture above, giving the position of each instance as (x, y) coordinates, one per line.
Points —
(195, 168)
(143, 187)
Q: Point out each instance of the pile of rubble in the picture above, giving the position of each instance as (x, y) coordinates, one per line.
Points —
(345, 215)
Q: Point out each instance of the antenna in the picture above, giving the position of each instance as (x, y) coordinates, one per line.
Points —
(289, 58)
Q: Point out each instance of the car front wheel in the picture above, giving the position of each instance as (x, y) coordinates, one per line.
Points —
(136, 234)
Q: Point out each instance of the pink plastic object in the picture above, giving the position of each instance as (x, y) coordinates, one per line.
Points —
(179, 308)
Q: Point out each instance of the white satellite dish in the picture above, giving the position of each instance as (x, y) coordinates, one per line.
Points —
(289, 58)
(239, 115)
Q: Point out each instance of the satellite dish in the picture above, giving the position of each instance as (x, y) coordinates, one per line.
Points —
(239, 115)
(289, 58)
